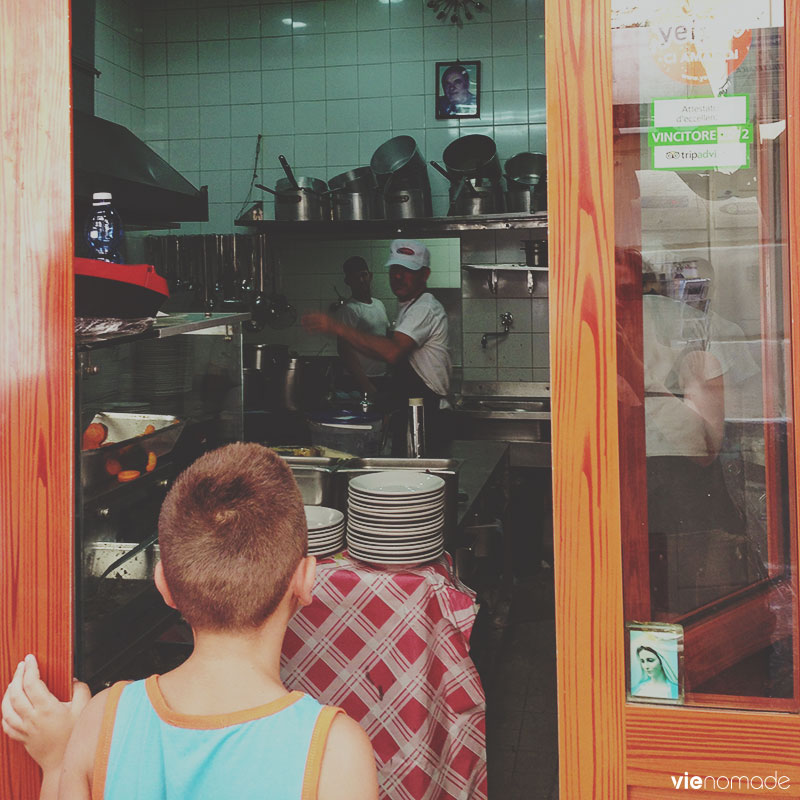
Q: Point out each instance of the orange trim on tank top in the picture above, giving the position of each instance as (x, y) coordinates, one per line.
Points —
(212, 721)
(316, 750)
(104, 740)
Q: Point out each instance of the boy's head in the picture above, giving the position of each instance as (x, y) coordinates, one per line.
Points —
(232, 531)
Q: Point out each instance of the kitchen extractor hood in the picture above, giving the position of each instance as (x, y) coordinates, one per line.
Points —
(147, 191)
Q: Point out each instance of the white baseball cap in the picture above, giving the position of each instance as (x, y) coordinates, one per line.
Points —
(408, 253)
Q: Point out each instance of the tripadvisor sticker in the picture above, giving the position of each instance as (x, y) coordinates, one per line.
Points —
(699, 50)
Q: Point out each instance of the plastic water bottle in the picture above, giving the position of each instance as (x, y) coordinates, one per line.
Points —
(103, 229)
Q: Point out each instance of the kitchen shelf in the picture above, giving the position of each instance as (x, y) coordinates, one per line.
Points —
(166, 326)
(505, 267)
(418, 227)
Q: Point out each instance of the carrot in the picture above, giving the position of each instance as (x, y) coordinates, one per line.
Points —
(149, 429)
(152, 460)
(128, 475)
(94, 436)
(113, 467)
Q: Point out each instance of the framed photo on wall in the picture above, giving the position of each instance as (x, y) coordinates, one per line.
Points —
(458, 89)
(655, 655)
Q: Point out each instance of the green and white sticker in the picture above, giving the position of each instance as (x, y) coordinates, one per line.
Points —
(700, 133)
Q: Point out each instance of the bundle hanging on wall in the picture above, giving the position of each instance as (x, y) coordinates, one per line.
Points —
(452, 10)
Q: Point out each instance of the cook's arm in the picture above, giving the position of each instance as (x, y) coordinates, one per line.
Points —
(353, 365)
(392, 350)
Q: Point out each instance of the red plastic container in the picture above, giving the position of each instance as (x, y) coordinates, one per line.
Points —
(118, 291)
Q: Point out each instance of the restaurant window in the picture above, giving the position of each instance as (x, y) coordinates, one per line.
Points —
(704, 351)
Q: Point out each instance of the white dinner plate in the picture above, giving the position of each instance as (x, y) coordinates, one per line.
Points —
(403, 561)
(395, 525)
(322, 517)
(391, 511)
(399, 500)
(386, 548)
(327, 540)
(396, 482)
(399, 528)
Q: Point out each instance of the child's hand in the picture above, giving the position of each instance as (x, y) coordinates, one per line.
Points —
(37, 718)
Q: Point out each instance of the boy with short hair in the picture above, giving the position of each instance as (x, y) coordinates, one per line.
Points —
(233, 536)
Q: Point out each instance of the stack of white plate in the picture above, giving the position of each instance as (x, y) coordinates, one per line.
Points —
(325, 530)
(395, 517)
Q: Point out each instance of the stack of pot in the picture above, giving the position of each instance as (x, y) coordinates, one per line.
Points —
(526, 174)
(354, 195)
(476, 179)
(402, 178)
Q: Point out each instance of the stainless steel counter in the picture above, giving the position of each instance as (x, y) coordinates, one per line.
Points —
(480, 462)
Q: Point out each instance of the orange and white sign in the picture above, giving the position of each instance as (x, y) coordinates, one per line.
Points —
(698, 50)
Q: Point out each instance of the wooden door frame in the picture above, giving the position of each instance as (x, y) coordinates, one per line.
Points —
(36, 358)
(609, 749)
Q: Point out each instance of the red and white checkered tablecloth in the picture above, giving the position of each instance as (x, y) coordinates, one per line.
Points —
(392, 649)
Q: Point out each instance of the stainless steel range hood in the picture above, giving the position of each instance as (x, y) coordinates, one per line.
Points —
(147, 191)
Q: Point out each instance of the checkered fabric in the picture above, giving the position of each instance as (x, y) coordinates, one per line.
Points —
(391, 647)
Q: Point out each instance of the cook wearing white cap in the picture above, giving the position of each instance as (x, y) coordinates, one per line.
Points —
(417, 350)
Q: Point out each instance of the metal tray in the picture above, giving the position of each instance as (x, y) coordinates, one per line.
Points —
(100, 555)
(125, 430)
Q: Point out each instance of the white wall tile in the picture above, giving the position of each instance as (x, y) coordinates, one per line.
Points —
(406, 14)
(276, 86)
(509, 39)
(155, 59)
(373, 80)
(406, 44)
(342, 115)
(408, 78)
(279, 119)
(245, 22)
(308, 51)
(215, 122)
(341, 49)
(440, 43)
(212, 23)
(245, 54)
(272, 19)
(213, 56)
(372, 15)
(341, 83)
(475, 41)
(341, 16)
(182, 90)
(373, 47)
(181, 25)
(184, 123)
(246, 119)
(276, 52)
(214, 89)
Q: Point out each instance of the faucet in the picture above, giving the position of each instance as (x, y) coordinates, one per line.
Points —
(506, 320)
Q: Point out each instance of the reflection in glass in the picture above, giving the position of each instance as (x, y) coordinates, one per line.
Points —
(704, 358)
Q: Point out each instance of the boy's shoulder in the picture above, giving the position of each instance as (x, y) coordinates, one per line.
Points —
(348, 764)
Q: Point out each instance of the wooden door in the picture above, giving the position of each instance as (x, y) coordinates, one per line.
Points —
(36, 357)
(734, 595)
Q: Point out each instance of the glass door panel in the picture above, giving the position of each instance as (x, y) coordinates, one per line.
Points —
(703, 313)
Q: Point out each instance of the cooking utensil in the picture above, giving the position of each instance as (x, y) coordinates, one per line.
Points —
(402, 174)
(134, 551)
(473, 156)
(279, 313)
(258, 300)
(528, 169)
(288, 170)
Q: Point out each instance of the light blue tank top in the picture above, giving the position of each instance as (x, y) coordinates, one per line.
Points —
(149, 752)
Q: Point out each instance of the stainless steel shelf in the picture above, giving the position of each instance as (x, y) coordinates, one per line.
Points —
(420, 227)
(505, 267)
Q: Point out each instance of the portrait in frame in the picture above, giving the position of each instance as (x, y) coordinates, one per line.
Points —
(655, 662)
(458, 89)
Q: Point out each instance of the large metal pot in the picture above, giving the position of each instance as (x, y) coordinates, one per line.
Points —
(406, 203)
(472, 198)
(473, 156)
(354, 195)
(306, 201)
(527, 169)
(402, 176)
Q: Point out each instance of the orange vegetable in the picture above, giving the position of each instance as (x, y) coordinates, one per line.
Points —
(94, 436)
(113, 467)
(152, 460)
(128, 475)
(149, 429)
